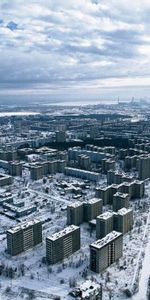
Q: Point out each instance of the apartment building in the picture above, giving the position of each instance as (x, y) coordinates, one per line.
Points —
(62, 244)
(104, 224)
(23, 237)
(123, 220)
(106, 251)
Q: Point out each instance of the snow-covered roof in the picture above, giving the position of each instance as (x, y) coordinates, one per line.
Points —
(2, 176)
(107, 239)
(23, 226)
(93, 200)
(75, 204)
(124, 211)
(122, 195)
(138, 181)
(63, 232)
(88, 288)
(106, 215)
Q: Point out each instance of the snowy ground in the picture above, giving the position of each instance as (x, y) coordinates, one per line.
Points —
(50, 281)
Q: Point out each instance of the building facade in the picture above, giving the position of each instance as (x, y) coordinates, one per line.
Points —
(104, 224)
(24, 237)
(120, 200)
(62, 244)
(106, 251)
(123, 220)
(75, 213)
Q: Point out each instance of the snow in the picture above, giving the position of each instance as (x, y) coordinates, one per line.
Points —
(56, 280)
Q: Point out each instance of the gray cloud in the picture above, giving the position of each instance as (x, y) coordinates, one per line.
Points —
(51, 45)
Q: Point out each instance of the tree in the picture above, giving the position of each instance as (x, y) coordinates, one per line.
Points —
(44, 180)
(31, 294)
(8, 289)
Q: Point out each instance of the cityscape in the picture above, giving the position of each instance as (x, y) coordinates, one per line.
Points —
(74, 202)
(74, 150)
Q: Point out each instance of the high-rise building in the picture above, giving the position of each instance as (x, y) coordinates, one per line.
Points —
(78, 212)
(134, 189)
(62, 244)
(106, 193)
(126, 188)
(103, 193)
(106, 251)
(61, 164)
(52, 166)
(84, 161)
(120, 200)
(8, 155)
(143, 166)
(118, 177)
(23, 237)
(104, 224)
(15, 168)
(138, 189)
(123, 220)
(108, 164)
(36, 172)
(92, 208)
(130, 162)
(60, 136)
(75, 213)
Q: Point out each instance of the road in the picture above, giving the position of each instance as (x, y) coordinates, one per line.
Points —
(53, 198)
(145, 272)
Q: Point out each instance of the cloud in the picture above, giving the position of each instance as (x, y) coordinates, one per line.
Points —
(55, 46)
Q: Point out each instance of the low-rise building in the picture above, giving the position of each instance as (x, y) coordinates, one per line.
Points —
(84, 174)
(88, 290)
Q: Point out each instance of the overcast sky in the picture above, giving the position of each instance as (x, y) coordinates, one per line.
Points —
(72, 49)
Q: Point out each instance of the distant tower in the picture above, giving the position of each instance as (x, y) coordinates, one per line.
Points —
(132, 100)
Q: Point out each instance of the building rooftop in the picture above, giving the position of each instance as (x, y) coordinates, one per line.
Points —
(89, 288)
(23, 226)
(93, 200)
(105, 188)
(138, 181)
(2, 176)
(121, 195)
(75, 204)
(81, 171)
(106, 215)
(127, 184)
(107, 239)
(114, 185)
(123, 211)
(62, 233)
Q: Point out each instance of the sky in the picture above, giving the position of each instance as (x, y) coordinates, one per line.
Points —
(74, 50)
